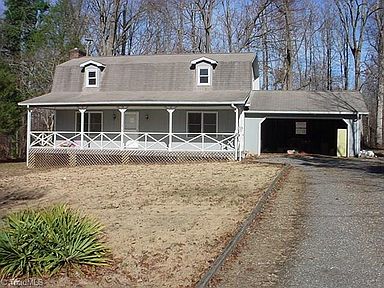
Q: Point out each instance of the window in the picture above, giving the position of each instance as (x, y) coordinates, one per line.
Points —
(201, 122)
(301, 128)
(204, 75)
(92, 78)
(92, 121)
(92, 73)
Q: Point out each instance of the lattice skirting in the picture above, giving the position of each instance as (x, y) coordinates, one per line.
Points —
(43, 157)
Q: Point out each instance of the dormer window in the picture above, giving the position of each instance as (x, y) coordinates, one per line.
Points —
(204, 70)
(92, 73)
(92, 78)
(204, 75)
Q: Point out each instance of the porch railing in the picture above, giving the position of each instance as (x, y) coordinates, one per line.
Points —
(135, 141)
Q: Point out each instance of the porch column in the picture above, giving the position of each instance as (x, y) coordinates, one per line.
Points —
(82, 112)
(122, 120)
(29, 122)
(236, 130)
(241, 133)
(170, 112)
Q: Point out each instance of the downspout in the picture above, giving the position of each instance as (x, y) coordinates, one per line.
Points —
(236, 131)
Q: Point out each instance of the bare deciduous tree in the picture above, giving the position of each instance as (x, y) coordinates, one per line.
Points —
(380, 89)
(354, 15)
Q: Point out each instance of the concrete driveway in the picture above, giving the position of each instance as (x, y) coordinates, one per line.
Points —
(343, 244)
(340, 234)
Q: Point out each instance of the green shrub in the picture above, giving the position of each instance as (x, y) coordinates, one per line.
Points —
(41, 242)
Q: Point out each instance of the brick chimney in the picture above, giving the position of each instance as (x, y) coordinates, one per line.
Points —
(76, 53)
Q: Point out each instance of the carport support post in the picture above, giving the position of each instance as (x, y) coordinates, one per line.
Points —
(122, 120)
(357, 134)
(259, 136)
(82, 112)
(29, 123)
(353, 137)
(170, 111)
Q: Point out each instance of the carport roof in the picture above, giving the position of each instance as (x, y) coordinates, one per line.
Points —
(314, 102)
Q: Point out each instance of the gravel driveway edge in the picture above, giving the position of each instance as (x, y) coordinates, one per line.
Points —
(216, 265)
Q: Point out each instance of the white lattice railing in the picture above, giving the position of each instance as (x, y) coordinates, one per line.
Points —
(135, 141)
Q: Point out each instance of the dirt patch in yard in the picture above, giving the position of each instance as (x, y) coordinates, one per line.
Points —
(164, 223)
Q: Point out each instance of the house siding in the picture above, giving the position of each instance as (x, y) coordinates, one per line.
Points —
(157, 120)
(353, 136)
(252, 135)
(65, 120)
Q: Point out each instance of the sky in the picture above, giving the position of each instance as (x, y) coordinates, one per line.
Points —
(1, 7)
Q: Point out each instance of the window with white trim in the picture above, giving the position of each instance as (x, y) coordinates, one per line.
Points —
(204, 75)
(201, 122)
(92, 78)
(301, 128)
(93, 121)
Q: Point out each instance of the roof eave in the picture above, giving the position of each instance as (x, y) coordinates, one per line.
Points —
(92, 62)
(134, 103)
(308, 112)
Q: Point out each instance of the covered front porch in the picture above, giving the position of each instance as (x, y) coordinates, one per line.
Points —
(104, 135)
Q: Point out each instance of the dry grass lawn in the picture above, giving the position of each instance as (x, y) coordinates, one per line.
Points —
(164, 223)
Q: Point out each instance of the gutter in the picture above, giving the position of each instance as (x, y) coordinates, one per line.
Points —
(305, 112)
(109, 103)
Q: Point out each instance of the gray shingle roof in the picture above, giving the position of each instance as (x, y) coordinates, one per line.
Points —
(307, 101)
(167, 78)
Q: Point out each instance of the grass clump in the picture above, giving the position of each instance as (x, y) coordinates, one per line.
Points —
(41, 242)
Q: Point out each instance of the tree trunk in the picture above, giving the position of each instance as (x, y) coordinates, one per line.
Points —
(346, 67)
(380, 92)
(329, 56)
(264, 45)
(228, 23)
(289, 50)
(356, 61)
(124, 35)
(206, 12)
(180, 28)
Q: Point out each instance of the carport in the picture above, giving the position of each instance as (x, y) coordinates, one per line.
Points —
(310, 135)
(327, 123)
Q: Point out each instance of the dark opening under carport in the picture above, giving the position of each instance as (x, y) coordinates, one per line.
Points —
(317, 136)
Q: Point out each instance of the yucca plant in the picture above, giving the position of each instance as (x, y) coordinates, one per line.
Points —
(41, 242)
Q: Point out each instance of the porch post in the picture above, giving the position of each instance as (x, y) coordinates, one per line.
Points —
(82, 112)
(236, 130)
(29, 122)
(241, 133)
(170, 112)
(122, 120)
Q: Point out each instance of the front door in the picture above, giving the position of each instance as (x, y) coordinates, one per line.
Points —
(131, 128)
(131, 122)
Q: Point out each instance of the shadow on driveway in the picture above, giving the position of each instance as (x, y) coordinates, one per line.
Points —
(373, 166)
